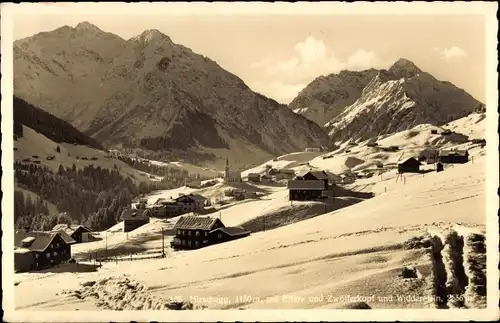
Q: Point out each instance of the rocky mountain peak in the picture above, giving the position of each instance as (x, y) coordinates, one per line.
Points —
(404, 68)
(152, 36)
(87, 26)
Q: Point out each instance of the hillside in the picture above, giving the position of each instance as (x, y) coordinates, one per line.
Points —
(365, 248)
(327, 96)
(48, 125)
(151, 93)
(399, 99)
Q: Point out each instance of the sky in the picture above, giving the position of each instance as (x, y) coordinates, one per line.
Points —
(278, 55)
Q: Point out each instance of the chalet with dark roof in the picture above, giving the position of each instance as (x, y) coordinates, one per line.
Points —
(308, 185)
(454, 156)
(194, 232)
(37, 250)
(79, 233)
(133, 218)
(411, 165)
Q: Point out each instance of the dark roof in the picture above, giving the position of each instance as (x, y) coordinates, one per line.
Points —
(453, 153)
(69, 228)
(134, 214)
(41, 239)
(195, 222)
(287, 171)
(411, 162)
(317, 174)
(306, 185)
(233, 231)
(194, 197)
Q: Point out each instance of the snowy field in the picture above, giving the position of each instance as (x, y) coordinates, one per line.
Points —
(396, 250)
(358, 250)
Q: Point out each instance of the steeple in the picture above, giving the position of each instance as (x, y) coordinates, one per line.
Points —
(226, 173)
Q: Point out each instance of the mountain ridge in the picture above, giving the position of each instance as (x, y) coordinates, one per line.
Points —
(414, 95)
(400, 98)
(145, 91)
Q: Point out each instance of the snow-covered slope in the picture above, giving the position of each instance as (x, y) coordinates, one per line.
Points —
(358, 250)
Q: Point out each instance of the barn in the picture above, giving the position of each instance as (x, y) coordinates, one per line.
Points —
(411, 165)
(454, 156)
(132, 219)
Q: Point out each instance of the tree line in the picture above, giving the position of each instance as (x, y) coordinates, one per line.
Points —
(180, 176)
(92, 196)
(48, 125)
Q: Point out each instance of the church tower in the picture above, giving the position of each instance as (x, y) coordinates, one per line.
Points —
(226, 173)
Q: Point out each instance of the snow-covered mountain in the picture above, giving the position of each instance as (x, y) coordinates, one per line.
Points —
(152, 94)
(327, 96)
(398, 99)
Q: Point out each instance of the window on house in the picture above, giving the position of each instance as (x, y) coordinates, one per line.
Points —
(219, 235)
(57, 245)
(51, 245)
(189, 243)
(36, 264)
(47, 255)
(197, 243)
(36, 256)
(52, 260)
(206, 233)
(54, 253)
(179, 232)
(197, 233)
(183, 242)
(205, 241)
(189, 233)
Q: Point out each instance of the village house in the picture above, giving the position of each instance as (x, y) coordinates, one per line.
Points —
(181, 205)
(428, 155)
(333, 179)
(194, 183)
(308, 185)
(37, 250)
(411, 165)
(197, 232)
(231, 176)
(454, 156)
(192, 202)
(79, 233)
(254, 177)
(133, 219)
(312, 149)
